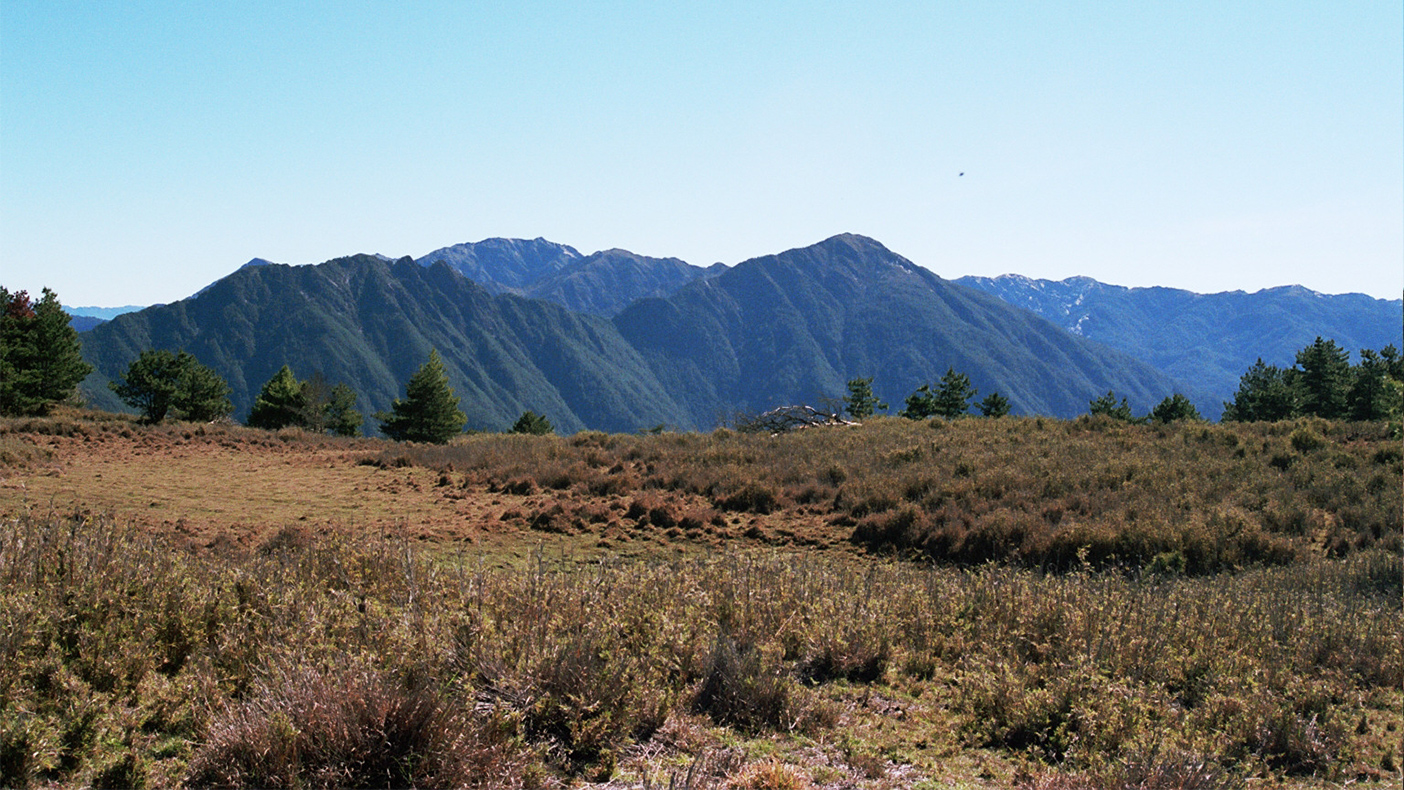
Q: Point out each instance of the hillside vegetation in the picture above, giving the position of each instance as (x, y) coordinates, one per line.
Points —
(1204, 341)
(784, 329)
(982, 603)
(1030, 491)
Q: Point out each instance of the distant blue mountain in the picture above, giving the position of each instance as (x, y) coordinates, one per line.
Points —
(602, 283)
(1206, 341)
(103, 313)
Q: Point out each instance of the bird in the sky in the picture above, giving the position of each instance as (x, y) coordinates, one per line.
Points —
(962, 174)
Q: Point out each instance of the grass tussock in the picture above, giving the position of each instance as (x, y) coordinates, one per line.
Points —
(316, 662)
(349, 727)
(1183, 498)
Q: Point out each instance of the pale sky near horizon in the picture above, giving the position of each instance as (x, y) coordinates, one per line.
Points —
(147, 149)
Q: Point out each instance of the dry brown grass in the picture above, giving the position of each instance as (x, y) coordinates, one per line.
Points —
(324, 662)
(1187, 498)
(324, 652)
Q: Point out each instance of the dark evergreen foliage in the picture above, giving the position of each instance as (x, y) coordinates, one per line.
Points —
(994, 405)
(861, 403)
(309, 404)
(1324, 379)
(1323, 384)
(429, 411)
(338, 413)
(532, 423)
(280, 402)
(1106, 404)
(953, 394)
(1375, 391)
(1174, 408)
(920, 404)
(1265, 392)
(160, 382)
(40, 358)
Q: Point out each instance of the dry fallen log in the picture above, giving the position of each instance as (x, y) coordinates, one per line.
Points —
(786, 419)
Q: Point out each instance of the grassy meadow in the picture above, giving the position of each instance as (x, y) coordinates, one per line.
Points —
(982, 603)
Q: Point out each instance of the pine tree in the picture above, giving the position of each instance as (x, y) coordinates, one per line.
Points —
(150, 384)
(281, 402)
(532, 423)
(40, 358)
(953, 394)
(340, 414)
(1374, 391)
(1175, 407)
(920, 404)
(1107, 405)
(429, 412)
(994, 405)
(861, 403)
(1325, 379)
(1265, 393)
(203, 395)
(159, 382)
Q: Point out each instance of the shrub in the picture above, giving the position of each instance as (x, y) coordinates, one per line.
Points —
(741, 689)
(354, 728)
(1305, 440)
(532, 423)
(753, 498)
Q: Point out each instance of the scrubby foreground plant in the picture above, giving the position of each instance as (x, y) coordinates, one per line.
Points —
(317, 663)
(1184, 497)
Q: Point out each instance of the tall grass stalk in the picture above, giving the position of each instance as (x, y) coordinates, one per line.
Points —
(322, 662)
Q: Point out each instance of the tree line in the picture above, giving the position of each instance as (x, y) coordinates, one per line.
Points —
(1321, 383)
(41, 366)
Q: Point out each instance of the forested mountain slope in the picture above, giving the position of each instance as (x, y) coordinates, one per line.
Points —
(1206, 341)
(370, 324)
(795, 327)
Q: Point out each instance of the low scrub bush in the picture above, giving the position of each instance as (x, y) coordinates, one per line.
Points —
(742, 689)
(1035, 492)
(351, 727)
(318, 662)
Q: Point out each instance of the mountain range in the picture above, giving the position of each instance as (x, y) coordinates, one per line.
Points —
(620, 342)
(603, 283)
(1204, 341)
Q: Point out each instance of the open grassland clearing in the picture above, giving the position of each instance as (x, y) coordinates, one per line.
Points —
(467, 626)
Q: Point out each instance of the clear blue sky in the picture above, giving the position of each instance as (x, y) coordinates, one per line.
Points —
(147, 149)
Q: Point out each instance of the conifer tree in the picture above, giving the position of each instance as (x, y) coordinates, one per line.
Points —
(313, 405)
(159, 382)
(280, 403)
(953, 394)
(40, 359)
(1265, 393)
(532, 423)
(994, 405)
(1325, 379)
(339, 414)
(1107, 405)
(920, 404)
(1175, 407)
(1374, 391)
(861, 403)
(429, 411)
